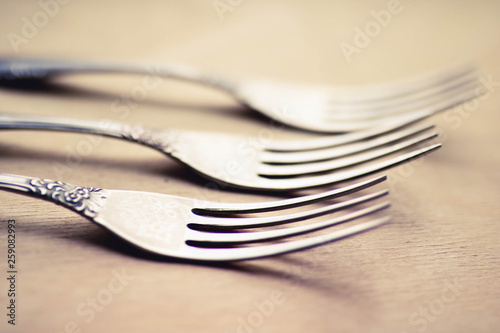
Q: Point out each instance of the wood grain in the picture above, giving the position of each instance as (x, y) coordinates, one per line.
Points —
(435, 268)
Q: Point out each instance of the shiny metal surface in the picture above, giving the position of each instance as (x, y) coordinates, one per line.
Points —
(209, 231)
(234, 160)
(314, 108)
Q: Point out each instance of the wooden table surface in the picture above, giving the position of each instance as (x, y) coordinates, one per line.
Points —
(435, 268)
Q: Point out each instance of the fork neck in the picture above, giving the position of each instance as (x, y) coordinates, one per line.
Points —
(17, 183)
(17, 70)
(161, 140)
(14, 121)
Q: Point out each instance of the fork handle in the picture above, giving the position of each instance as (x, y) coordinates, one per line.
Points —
(84, 200)
(18, 70)
(13, 121)
(157, 139)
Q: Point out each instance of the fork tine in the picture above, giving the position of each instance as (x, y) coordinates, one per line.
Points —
(403, 87)
(316, 167)
(390, 124)
(355, 125)
(216, 209)
(383, 109)
(336, 152)
(229, 239)
(333, 141)
(254, 252)
(456, 96)
(253, 222)
(320, 180)
(371, 128)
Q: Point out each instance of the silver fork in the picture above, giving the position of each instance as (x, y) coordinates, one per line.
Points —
(243, 162)
(202, 230)
(321, 109)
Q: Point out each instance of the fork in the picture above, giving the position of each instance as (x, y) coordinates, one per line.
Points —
(209, 231)
(314, 108)
(244, 162)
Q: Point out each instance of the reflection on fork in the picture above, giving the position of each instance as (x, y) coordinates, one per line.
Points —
(320, 109)
(212, 231)
(278, 165)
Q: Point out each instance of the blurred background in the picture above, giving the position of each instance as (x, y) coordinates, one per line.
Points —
(285, 40)
(446, 212)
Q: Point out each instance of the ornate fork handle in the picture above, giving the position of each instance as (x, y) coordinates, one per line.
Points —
(29, 69)
(161, 140)
(84, 200)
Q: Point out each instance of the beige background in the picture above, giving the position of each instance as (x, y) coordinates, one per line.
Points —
(446, 216)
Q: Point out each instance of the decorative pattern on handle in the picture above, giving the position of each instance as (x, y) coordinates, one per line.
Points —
(166, 141)
(86, 200)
